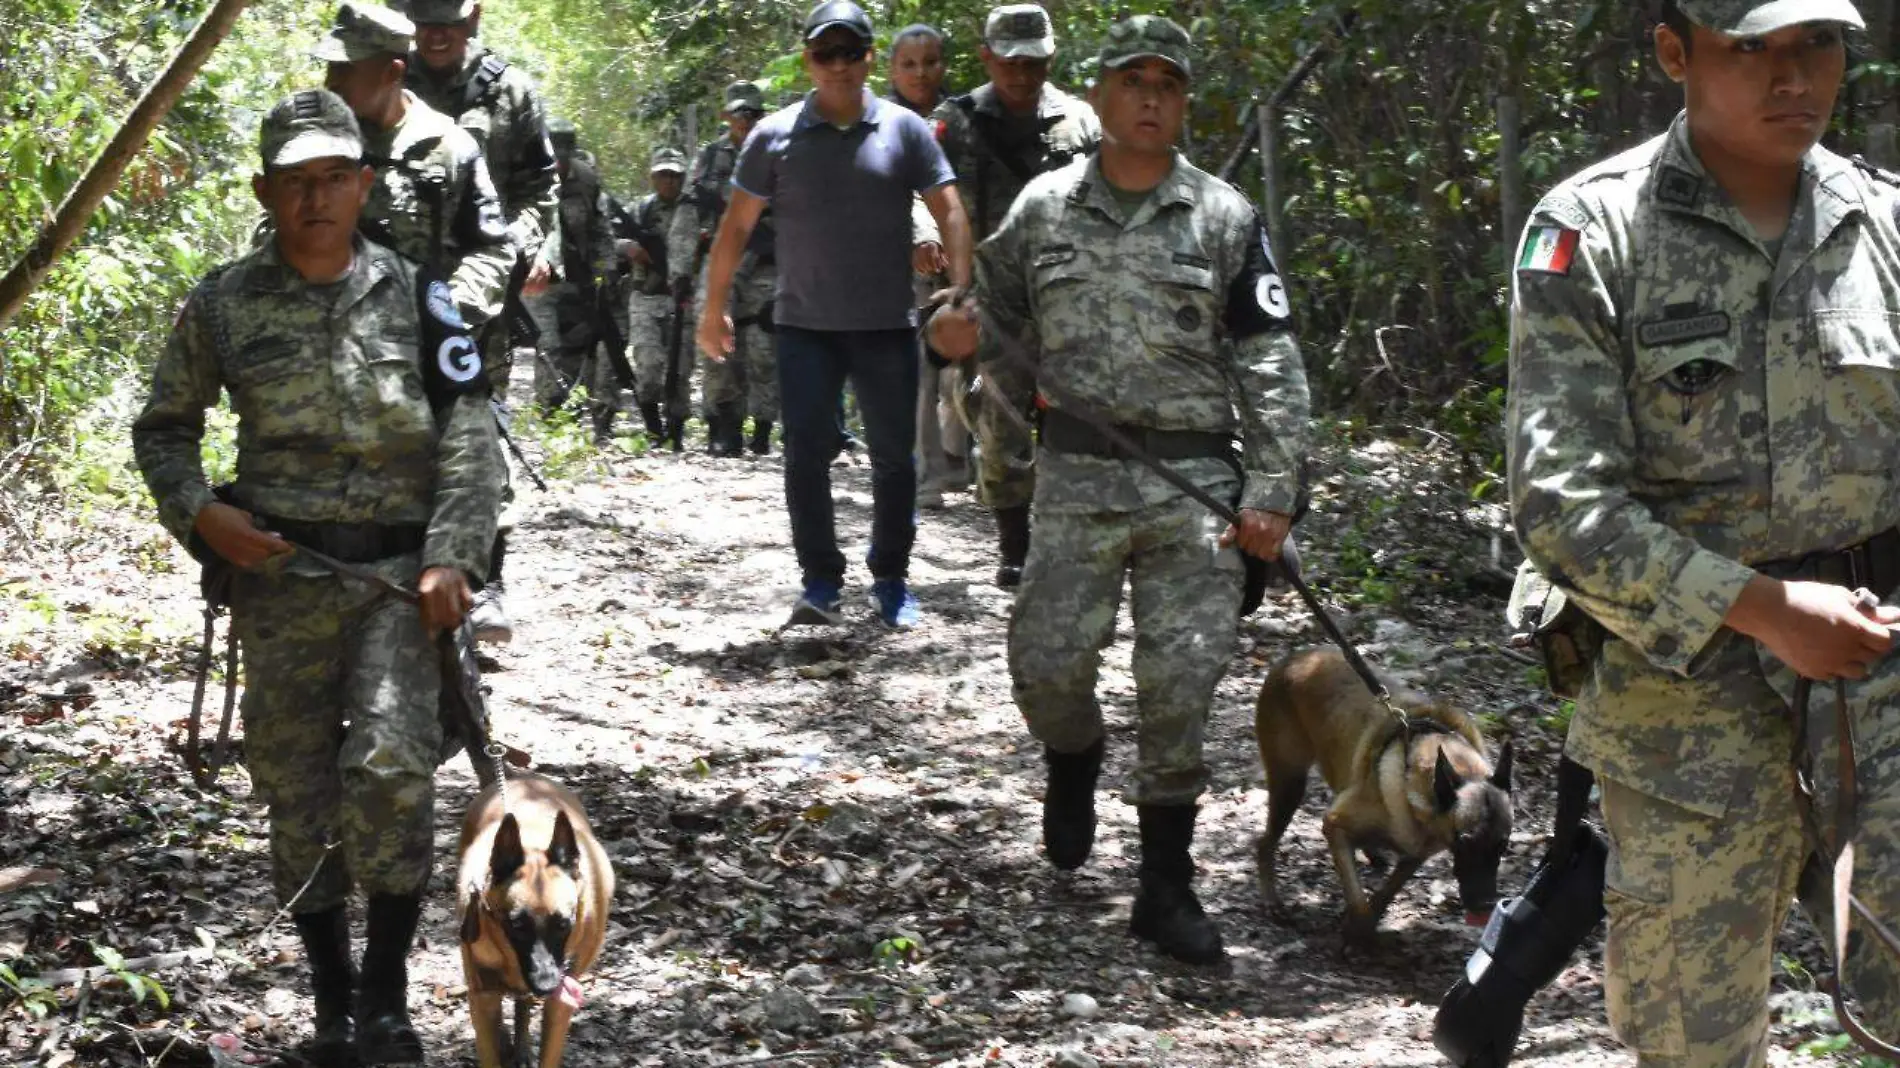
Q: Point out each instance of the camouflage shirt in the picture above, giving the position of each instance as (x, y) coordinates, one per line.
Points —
(1686, 402)
(433, 202)
(653, 215)
(990, 172)
(708, 187)
(585, 251)
(1170, 318)
(334, 422)
(499, 106)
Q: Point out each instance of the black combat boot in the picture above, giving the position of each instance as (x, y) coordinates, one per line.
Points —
(1166, 911)
(715, 433)
(383, 1031)
(676, 433)
(1068, 806)
(650, 414)
(731, 439)
(1012, 543)
(603, 415)
(761, 442)
(326, 945)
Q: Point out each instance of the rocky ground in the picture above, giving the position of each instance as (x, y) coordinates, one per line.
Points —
(825, 841)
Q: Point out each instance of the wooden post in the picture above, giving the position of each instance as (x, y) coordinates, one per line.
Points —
(1270, 191)
(100, 178)
(1510, 178)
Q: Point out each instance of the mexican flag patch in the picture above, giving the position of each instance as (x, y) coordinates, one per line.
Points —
(1549, 250)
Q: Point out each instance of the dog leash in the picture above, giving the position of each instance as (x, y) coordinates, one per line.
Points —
(1837, 856)
(1013, 353)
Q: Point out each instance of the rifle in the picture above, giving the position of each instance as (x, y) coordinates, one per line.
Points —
(608, 330)
(675, 409)
(501, 428)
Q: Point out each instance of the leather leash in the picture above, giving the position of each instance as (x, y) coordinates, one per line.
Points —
(1837, 855)
(1012, 352)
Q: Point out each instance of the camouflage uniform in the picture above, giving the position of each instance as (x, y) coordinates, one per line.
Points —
(650, 306)
(990, 174)
(747, 383)
(334, 428)
(1153, 320)
(582, 257)
(1688, 402)
(501, 109)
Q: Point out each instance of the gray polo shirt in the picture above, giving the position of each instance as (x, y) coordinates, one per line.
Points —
(841, 200)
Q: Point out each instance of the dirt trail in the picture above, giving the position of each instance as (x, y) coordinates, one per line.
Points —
(826, 841)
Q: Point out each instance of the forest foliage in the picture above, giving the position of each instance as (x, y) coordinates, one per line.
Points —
(1392, 191)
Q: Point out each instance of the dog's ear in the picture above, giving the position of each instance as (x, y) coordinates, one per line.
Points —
(1501, 777)
(472, 919)
(564, 851)
(506, 857)
(1445, 784)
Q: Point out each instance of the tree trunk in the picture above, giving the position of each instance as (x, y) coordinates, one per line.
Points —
(1270, 191)
(84, 198)
(1885, 119)
(1510, 177)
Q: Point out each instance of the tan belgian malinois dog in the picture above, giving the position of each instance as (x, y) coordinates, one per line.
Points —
(533, 916)
(1413, 793)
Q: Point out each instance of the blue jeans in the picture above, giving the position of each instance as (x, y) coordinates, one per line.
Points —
(882, 367)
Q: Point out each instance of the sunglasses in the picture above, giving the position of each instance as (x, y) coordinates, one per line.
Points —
(831, 54)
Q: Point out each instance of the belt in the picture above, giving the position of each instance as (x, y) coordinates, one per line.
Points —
(1063, 432)
(1874, 564)
(352, 543)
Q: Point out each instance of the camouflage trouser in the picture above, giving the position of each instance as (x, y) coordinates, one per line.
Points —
(340, 732)
(568, 335)
(750, 377)
(1695, 902)
(940, 432)
(1186, 606)
(649, 342)
(1006, 468)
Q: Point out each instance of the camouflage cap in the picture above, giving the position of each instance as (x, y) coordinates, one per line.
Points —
(1751, 18)
(309, 124)
(1148, 37)
(365, 31)
(667, 159)
(437, 12)
(743, 96)
(1020, 31)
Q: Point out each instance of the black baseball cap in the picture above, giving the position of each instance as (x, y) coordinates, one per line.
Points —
(842, 14)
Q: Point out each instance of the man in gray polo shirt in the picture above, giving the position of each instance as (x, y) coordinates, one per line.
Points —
(842, 203)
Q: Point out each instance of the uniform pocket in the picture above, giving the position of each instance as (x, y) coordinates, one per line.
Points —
(1064, 312)
(1185, 308)
(1693, 414)
(1641, 986)
(1859, 356)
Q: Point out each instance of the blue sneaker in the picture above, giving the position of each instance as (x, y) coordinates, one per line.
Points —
(896, 605)
(819, 607)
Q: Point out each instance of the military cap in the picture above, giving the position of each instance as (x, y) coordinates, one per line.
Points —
(1020, 30)
(563, 134)
(364, 31)
(667, 159)
(309, 124)
(1751, 18)
(838, 14)
(1148, 37)
(743, 96)
(438, 12)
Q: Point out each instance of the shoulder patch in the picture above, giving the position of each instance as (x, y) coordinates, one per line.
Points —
(1548, 249)
(1257, 301)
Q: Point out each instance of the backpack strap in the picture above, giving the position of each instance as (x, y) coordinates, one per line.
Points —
(486, 77)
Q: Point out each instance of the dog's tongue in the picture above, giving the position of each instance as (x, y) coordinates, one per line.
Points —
(570, 993)
(1477, 919)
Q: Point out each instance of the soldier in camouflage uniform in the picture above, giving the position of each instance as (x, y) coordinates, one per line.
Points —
(580, 262)
(1143, 288)
(498, 104)
(433, 200)
(998, 137)
(363, 432)
(748, 383)
(653, 315)
(1704, 436)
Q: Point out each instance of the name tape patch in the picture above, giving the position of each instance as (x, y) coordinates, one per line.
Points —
(1659, 332)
